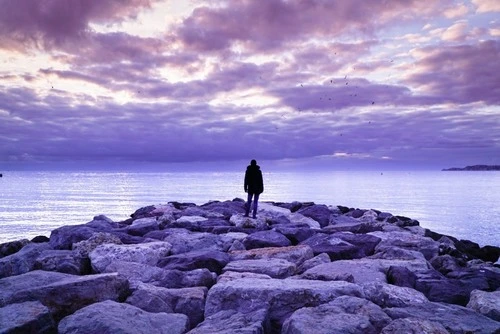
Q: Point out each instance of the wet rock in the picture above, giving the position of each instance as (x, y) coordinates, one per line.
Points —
(209, 259)
(266, 239)
(486, 303)
(27, 317)
(229, 321)
(456, 319)
(40, 239)
(113, 317)
(188, 301)
(22, 261)
(276, 268)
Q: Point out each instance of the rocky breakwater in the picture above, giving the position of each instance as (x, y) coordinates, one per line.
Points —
(297, 268)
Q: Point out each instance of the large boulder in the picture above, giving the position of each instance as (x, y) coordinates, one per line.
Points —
(85, 247)
(294, 254)
(345, 314)
(342, 246)
(414, 325)
(188, 301)
(211, 259)
(142, 226)
(136, 273)
(319, 212)
(112, 317)
(276, 268)
(9, 248)
(64, 237)
(486, 303)
(313, 262)
(282, 297)
(184, 241)
(62, 293)
(26, 317)
(428, 247)
(360, 270)
(456, 319)
(234, 322)
(266, 239)
(64, 261)
(388, 295)
(147, 253)
(22, 261)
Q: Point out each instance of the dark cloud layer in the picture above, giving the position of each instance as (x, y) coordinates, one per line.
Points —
(273, 79)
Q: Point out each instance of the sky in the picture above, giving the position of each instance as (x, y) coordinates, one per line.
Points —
(338, 84)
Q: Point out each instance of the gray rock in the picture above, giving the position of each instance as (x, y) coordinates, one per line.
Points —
(209, 259)
(295, 234)
(233, 322)
(359, 270)
(233, 275)
(266, 239)
(136, 273)
(102, 222)
(27, 317)
(62, 293)
(456, 319)
(147, 253)
(344, 315)
(315, 261)
(414, 326)
(319, 213)
(64, 261)
(259, 223)
(184, 241)
(294, 254)
(282, 297)
(64, 237)
(188, 301)
(276, 268)
(387, 295)
(486, 303)
(113, 317)
(342, 245)
(22, 261)
(9, 248)
(396, 253)
(83, 248)
(142, 226)
(428, 247)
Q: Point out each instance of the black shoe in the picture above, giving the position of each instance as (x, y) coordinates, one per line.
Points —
(254, 216)
(246, 215)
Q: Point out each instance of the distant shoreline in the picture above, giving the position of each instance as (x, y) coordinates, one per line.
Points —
(475, 168)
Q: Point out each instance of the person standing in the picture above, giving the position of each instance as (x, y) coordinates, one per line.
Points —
(254, 186)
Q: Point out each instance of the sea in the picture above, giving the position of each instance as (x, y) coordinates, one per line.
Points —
(465, 205)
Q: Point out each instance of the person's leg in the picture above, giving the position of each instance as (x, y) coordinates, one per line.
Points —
(247, 206)
(255, 203)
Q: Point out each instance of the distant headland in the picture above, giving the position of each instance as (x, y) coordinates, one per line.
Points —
(474, 168)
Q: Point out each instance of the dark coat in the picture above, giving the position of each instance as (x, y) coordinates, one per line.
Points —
(253, 180)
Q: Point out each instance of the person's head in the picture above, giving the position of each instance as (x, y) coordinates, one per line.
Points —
(253, 162)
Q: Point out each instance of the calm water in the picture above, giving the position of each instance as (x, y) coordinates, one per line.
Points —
(463, 204)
